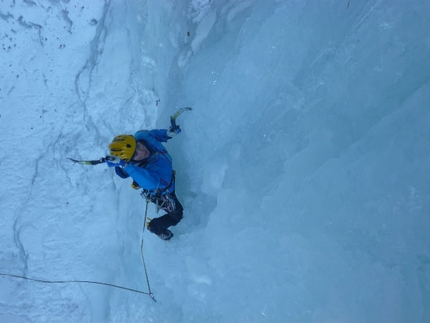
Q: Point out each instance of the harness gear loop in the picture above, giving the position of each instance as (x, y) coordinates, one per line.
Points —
(161, 197)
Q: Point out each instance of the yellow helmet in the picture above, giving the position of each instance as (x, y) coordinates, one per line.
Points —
(123, 146)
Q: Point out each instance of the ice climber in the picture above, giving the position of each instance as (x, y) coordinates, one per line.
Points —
(143, 157)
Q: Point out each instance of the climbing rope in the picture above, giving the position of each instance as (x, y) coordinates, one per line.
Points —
(76, 281)
(141, 252)
(149, 293)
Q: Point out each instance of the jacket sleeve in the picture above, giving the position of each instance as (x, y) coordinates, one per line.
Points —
(144, 178)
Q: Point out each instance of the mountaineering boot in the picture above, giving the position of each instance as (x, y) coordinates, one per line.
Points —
(165, 235)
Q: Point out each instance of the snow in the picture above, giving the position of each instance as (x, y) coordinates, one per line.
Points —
(303, 167)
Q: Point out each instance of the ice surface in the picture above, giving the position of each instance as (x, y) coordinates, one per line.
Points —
(303, 167)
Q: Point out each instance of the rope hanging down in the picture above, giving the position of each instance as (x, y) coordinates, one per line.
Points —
(141, 250)
(77, 281)
(150, 294)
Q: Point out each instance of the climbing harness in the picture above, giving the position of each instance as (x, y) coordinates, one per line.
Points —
(161, 197)
(162, 202)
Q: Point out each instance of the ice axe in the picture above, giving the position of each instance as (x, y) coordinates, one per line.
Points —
(177, 114)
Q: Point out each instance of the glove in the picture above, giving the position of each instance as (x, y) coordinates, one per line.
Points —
(135, 185)
(113, 161)
(173, 131)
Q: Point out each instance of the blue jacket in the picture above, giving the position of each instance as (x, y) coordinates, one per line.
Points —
(155, 171)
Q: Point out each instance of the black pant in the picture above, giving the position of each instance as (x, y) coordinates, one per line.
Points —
(170, 204)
